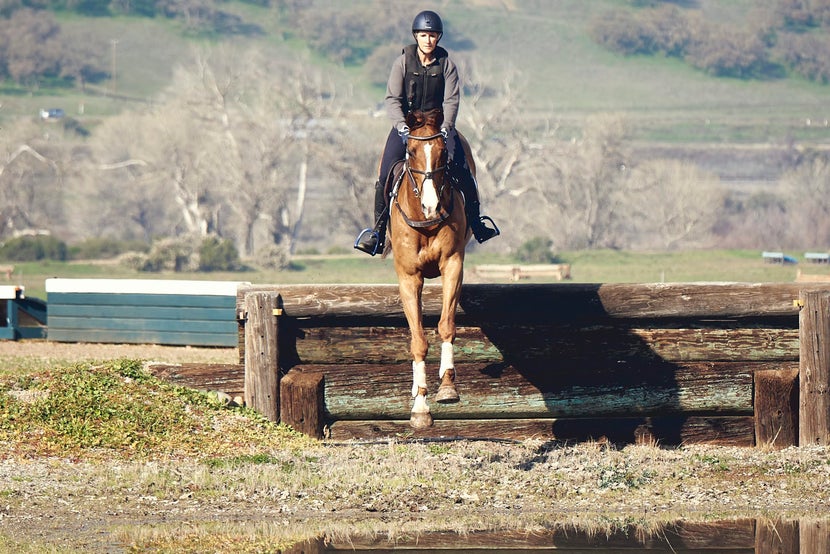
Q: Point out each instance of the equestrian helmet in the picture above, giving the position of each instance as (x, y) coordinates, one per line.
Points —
(428, 21)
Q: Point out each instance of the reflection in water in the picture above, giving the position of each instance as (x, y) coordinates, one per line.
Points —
(758, 536)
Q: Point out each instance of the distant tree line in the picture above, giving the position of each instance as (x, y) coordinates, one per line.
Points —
(34, 52)
(789, 37)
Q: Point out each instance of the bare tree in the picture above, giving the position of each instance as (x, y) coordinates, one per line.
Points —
(671, 204)
(589, 175)
(128, 196)
(808, 200)
(28, 179)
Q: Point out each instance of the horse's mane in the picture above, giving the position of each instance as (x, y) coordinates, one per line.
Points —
(432, 118)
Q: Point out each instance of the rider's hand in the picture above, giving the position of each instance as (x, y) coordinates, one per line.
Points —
(445, 132)
(403, 132)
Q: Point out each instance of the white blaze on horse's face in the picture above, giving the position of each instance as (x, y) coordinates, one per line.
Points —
(429, 193)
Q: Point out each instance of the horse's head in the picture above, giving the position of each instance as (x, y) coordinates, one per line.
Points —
(426, 161)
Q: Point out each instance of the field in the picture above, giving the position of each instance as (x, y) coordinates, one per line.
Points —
(596, 266)
(98, 456)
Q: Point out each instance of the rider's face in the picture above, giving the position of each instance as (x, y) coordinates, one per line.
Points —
(427, 41)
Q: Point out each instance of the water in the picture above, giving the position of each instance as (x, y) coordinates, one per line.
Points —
(750, 536)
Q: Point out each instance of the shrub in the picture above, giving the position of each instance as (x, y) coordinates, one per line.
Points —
(105, 248)
(217, 254)
(33, 248)
(138, 261)
(273, 256)
(172, 254)
(538, 250)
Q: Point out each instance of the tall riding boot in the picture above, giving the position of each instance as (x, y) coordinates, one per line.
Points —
(468, 186)
(372, 240)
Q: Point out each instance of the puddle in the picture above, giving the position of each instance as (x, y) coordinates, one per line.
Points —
(756, 536)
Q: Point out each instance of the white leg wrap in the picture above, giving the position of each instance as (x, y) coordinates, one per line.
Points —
(447, 361)
(419, 377)
(419, 405)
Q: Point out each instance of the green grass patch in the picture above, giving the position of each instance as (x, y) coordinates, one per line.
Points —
(587, 266)
(117, 408)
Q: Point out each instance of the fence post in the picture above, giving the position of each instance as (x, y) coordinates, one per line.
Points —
(814, 373)
(262, 374)
(776, 407)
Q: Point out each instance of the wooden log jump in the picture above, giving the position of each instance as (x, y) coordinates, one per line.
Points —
(668, 363)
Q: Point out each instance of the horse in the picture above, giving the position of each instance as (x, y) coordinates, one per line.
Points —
(428, 234)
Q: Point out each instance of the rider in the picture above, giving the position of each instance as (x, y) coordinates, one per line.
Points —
(423, 78)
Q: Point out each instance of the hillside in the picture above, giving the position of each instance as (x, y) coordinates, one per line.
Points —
(744, 131)
(543, 47)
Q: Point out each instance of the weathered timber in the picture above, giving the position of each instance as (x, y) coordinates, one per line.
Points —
(369, 391)
(567, 343)
(777, 537)
(485, 303)
(227, 378)
(723, 430)
(262, 371)
(682, 536)
(814, 375)
(301, 402)
(776, 407)
(814, 535)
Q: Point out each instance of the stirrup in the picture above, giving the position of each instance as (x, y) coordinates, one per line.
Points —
(370, 244)
(489, 232)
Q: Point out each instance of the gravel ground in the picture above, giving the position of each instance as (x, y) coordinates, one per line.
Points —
(54, 504)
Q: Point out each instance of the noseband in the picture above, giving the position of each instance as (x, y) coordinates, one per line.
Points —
(416, 190)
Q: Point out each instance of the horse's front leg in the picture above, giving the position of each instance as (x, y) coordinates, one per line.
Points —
(411, 288)
(452, 276)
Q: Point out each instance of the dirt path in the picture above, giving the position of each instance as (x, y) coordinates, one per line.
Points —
(73, 352)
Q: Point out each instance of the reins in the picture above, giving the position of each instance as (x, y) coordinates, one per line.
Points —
(444, 214)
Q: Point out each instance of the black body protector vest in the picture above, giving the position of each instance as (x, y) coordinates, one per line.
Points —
(424, 85)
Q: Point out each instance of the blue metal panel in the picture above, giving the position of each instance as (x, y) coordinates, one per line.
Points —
(141, 317)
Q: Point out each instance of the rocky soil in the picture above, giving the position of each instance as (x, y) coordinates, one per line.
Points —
(275, 496)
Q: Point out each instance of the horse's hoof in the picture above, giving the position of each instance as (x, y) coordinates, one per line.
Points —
(420, 420)
(446, 394)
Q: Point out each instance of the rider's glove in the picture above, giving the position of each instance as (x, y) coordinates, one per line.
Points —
(445, 132)
(403, 132)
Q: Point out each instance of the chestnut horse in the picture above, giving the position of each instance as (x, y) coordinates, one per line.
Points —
(428, 233)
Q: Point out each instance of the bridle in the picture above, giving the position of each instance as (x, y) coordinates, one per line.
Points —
(416, 190)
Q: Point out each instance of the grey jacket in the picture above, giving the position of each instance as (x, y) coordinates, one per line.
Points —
(395, 100)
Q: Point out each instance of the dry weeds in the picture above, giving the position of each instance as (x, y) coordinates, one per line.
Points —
(260, 497)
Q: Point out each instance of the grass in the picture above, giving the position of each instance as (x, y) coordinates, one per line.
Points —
(591, 266)
(562, 74)
(95, 411)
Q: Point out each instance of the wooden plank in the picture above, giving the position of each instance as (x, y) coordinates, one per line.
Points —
(262, 364)
(776, 408)
(133, 311)
(227, 378)
(814, 535)
(365, 391)
(301, 402)
(142, 324)
(551, 302)
(570, 344)
(777, 537)
(814, 374)
(141, 337)
(722, 430)
(10, 292)
(144, 286)
(128, 299)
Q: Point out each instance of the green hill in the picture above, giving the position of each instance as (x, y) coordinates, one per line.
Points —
(544, 48)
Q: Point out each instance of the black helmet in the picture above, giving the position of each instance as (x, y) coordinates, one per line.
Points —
(428, 21)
